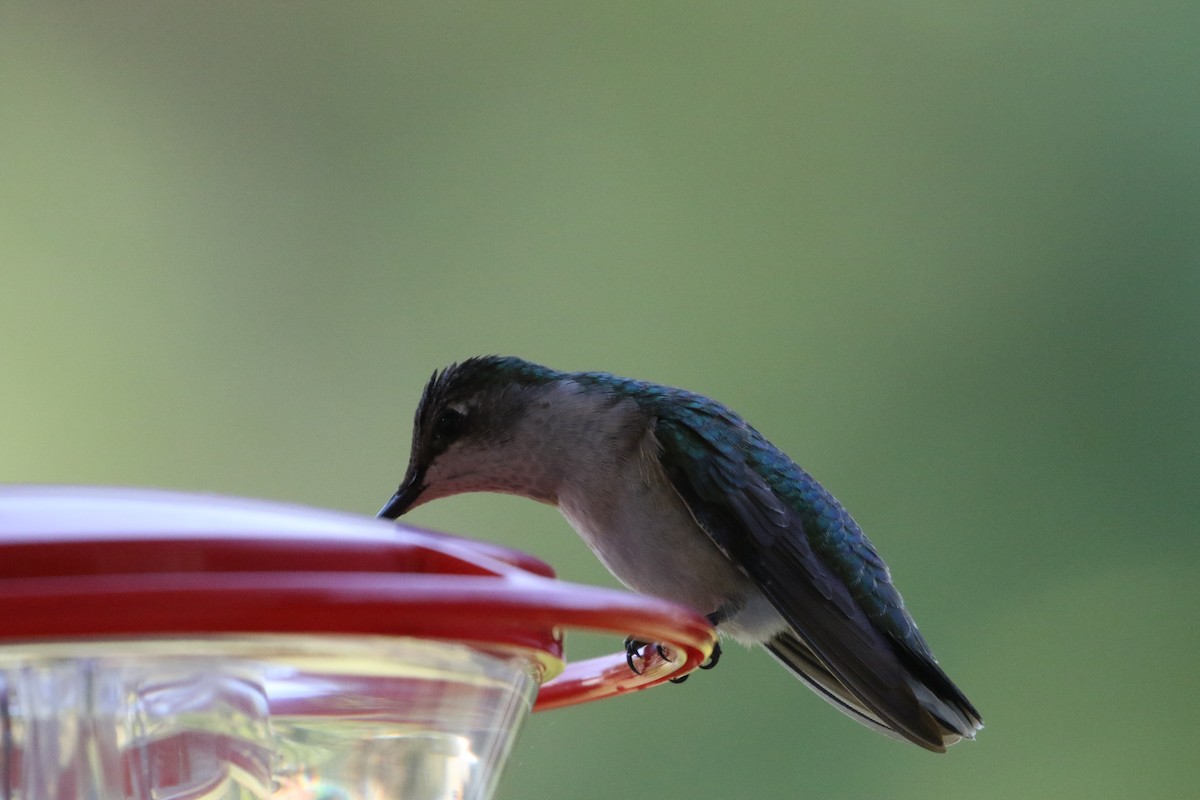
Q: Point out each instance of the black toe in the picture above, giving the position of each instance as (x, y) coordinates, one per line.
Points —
(714, 658)
(633, 649)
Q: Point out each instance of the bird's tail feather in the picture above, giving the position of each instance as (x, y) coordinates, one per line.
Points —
(956, 718)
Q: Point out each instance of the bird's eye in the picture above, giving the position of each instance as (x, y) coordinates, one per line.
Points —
(448, 426)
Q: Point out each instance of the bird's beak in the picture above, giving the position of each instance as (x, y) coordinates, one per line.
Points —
(404, 498)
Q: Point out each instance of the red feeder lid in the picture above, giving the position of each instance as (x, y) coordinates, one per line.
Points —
(119, 563)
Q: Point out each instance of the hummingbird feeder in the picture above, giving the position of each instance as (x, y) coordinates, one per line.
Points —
(163, 645)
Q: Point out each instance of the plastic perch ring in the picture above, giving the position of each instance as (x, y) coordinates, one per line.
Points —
(119, 564)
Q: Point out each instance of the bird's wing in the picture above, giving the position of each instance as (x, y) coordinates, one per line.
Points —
(821, 573)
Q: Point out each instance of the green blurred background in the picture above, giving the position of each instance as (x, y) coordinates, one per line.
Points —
(946, 255)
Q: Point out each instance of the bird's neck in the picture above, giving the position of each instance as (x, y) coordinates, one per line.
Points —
(574, 438)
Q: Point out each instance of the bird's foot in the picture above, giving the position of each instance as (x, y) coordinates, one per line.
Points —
(713, 657)
(665, 657)
(634, 648)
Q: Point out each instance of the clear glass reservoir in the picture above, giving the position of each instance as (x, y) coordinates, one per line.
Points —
(229, 718)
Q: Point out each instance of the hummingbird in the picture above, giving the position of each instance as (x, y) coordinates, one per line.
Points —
(682, 499)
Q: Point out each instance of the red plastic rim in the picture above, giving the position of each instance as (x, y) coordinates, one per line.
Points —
(108, 563)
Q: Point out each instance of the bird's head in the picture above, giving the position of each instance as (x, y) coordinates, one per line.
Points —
(476, 431)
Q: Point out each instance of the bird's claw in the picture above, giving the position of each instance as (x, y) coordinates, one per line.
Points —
(713, 658)
(663, 654)
(634, 648)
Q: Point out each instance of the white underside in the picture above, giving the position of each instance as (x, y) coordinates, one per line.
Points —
(643, 532)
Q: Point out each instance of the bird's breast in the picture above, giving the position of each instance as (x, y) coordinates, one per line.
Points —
(644, 534)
